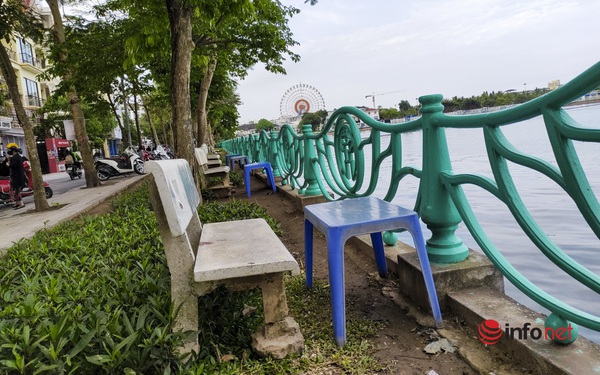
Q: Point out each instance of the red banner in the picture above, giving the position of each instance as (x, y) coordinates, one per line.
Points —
(62, 143)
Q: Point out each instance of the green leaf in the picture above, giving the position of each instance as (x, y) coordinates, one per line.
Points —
(126, 342)
(98, 359)
(83, 342)
(9, 363)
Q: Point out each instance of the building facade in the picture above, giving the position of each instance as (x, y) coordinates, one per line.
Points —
(28, 62)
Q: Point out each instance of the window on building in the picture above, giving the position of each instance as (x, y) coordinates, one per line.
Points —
(26, 51)
(33, 96)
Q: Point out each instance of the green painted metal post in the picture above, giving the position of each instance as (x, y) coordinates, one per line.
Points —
(436, 208)
(309, 154)
(255, 144)
(274, 153)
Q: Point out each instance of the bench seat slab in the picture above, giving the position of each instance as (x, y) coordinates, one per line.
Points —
(242, 248)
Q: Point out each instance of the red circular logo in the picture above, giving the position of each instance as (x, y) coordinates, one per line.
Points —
(489, 332)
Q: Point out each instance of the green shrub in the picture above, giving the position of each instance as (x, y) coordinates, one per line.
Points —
(236, 178)
(89, 297)
(217, 211)
(93, 297)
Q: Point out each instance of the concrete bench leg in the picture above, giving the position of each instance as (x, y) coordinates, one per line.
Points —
(186, 321)
(280, 335)
(180, 260)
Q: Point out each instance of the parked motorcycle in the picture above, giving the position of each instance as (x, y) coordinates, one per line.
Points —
(5, 186)
(74, 170)
(146, 155)
(162, 153)
(128, 162)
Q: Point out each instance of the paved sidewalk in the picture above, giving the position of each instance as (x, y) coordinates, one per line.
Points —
(23, 223)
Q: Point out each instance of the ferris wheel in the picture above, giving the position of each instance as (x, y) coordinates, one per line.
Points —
(299, 99)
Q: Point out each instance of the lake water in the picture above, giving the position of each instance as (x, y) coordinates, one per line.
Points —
(553, 210)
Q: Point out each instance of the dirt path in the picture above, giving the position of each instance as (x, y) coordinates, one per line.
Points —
(400, 344)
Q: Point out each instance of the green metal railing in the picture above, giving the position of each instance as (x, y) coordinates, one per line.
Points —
(333, 160)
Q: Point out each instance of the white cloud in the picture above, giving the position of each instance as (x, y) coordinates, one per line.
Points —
(352, 48)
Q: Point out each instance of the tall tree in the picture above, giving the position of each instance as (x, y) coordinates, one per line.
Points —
(96, 80)
(310, 118)
(26, 22)
(264, 124)
(74, 102)
(201, 110)
(322, 113)
(240, 34)
(387, 114)
(180, 24)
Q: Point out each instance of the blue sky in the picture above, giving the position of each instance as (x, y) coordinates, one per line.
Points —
(350, 49)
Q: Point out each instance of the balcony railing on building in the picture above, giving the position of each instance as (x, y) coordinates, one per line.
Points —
(34, 101)
(27, 58)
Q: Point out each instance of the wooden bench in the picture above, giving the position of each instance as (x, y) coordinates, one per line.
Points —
(240, 255)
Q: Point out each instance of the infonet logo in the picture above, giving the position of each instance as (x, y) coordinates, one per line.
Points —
(490, 332)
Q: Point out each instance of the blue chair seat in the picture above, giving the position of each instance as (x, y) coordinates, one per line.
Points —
(341, 220)
(241, 159)
(259, 165)
(229, 156)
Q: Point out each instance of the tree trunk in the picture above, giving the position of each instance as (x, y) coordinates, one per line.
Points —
(180, 23)
(155, 139)
(201, 112)
(91, 180)
(167, 130)
(126, 126)
(113, 107)
(135, 114)
(39, 195)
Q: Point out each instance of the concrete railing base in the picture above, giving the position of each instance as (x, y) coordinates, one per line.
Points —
(541, 356)
(471, 292)
(300, 200)
(402, 260)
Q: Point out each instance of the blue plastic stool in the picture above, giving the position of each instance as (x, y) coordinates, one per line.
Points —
(229, 156)
(263, 164)
(242, 160)
(341, 220)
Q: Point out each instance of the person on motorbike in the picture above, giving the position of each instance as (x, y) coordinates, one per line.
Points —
(71, 160)
(18, 179)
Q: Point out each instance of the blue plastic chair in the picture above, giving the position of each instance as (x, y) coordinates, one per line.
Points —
(241, 159)
(229, 156)
(341, 220)
(260, 165)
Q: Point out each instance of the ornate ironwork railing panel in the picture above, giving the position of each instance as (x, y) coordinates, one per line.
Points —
(334, 160)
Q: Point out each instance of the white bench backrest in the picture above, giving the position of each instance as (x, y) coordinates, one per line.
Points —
(201, 156)
(177, 190)
(205, 148)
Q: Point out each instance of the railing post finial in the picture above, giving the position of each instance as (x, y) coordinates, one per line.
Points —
(436, 208)
(312, 187)
(274, 153)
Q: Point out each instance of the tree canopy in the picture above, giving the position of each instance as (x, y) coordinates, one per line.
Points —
(264, 124)
(311, 118)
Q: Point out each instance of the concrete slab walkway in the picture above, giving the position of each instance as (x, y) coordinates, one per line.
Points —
(23, 223)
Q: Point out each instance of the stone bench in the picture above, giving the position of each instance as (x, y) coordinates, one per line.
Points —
(240, 255)
(209, 171)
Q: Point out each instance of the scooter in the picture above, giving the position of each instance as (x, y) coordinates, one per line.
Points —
(5, 186)
(161, 153)
(74, 170)
(128, 162)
